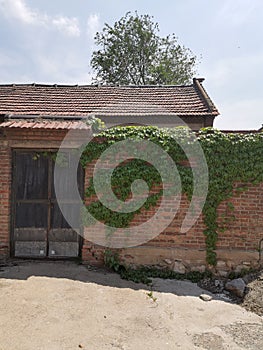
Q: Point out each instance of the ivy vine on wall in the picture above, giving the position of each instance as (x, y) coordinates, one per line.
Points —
(231, 158)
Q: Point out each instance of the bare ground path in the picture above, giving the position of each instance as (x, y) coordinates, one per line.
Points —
(65, 306)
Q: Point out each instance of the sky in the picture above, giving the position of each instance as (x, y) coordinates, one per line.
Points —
(51, 41)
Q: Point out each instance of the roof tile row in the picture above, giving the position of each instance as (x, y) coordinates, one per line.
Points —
(45, 124)
(44, 100)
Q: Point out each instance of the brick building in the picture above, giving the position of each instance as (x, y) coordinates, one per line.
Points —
(34, 119)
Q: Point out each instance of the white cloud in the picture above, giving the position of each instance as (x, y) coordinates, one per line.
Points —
(7, 60)
(93, 24)
(242, 114)
(45, 68)
(234, 85)
(72, 72)
(18, 10)
(235, 70)
(69, 26)
(237, 12)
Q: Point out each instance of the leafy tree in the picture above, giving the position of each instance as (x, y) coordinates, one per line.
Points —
(132, 52)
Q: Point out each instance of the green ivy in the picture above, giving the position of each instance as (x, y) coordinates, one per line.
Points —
(231, 158)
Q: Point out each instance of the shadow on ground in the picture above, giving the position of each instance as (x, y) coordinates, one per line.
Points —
(24, 269)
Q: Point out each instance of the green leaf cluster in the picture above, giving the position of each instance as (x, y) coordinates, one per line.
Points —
(232, 158)
(132, 52)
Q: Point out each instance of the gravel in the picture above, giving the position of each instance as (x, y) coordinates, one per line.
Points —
(253, 300)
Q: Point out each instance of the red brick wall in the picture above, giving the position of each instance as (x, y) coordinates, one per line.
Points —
(245, 230)
(237, 246)
(5, 190)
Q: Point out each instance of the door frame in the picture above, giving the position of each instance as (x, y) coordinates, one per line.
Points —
(13, 204)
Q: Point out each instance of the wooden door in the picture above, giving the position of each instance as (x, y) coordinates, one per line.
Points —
(39, 227)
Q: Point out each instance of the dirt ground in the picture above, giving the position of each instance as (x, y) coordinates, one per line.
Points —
(253, 300)
(65, 306)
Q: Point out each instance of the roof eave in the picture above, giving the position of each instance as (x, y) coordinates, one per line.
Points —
(197, 82)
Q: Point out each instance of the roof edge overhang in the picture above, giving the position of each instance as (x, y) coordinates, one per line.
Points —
(44, 124)
(98, 114)
(54, 116)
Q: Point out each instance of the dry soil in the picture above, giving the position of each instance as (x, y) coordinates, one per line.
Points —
(65, 306)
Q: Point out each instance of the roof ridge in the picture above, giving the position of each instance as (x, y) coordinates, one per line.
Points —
(91, 85)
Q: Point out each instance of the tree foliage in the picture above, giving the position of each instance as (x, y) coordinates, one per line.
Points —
(132, 52)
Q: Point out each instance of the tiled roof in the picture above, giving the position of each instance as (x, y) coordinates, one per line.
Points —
(45, 124)
(77, 101)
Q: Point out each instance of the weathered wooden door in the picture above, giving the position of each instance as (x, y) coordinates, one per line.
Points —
(39, 228)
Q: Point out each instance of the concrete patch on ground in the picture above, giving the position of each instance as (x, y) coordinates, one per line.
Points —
(62, 305)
